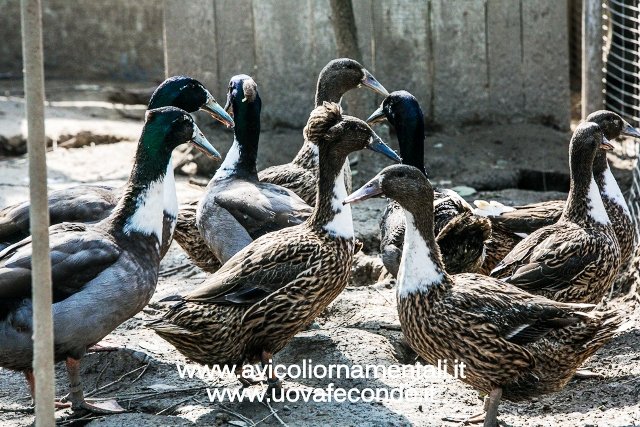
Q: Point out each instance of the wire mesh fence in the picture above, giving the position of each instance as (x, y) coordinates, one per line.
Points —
(621, 28)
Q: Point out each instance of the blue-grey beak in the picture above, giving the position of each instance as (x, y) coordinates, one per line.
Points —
(199, 140)
(377, 116)
(376, 144)
(371, 189)
(369, 81)
(630, 130)
(217, 112)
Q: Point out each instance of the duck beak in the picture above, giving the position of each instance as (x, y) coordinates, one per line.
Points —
(629, 130)
(199, 140)
(376, 144)
(371, 189)
(217, 112)
(606, 145)
(376, 117)
(369, 81)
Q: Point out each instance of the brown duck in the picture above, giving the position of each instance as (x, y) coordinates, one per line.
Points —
(300, 175)
(577, 258)
(255, 303)
(509, 224)
(514, 345)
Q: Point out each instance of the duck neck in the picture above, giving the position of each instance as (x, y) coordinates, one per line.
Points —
(584, 204)
(421, 268)
(241, 159)
(329, 214)
(411, 140)
(149, 193)
(609, 189)
(328, 90)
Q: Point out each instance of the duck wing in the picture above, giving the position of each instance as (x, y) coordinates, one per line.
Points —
(78, 254)
(293, 177)
(83, 203)
(529, 218)
(548, 259)
(516, 316)
(263, 267)
(262, 207)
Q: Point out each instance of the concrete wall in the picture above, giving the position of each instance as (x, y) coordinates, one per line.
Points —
(89, 39)
(465, 60)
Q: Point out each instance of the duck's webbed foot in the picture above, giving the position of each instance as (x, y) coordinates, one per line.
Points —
(489, 416)
(76, 396)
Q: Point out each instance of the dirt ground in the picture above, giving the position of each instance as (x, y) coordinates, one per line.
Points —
(361, 327)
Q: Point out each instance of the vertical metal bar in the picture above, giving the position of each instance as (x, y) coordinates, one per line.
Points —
(592, 97)
(32, 57)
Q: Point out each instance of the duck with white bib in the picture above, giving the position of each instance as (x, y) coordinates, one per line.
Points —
(256, 302)
(577, 258)
(103, 273)
(514, 345)
(511, 223)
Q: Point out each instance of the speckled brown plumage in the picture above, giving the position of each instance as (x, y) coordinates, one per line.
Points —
(190, 240)
(508, 339)
(274, 287)
(577, 258)
(481, 313)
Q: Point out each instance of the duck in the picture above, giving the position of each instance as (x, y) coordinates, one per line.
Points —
(102, 273)
(461, 235)
(92, 203)
(514, 345)
(577, 258)
(250, 308)
(511, 224)
(236, 207)
(300, 175)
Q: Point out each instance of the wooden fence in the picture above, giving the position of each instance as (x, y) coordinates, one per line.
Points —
(465, 60)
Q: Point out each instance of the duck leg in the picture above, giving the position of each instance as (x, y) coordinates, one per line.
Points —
(31, 381)
(274, 383)
(76, 396)
(246, 382)
(491, 418)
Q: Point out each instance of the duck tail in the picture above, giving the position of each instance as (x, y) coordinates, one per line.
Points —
(595, 329)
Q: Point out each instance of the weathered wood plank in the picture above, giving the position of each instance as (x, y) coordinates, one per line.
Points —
(402, 48)
(545, 45)
(190, 40)
(460, 63)
(234, 41)
(504, 59)
(592, 96)
(284, 59)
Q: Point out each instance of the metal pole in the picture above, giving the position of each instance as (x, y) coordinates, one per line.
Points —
(592, 97)
(39, 212)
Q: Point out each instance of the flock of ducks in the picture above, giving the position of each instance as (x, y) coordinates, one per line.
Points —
(511, 291)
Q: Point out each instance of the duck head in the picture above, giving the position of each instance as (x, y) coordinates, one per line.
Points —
(242, 95)
(340, 76)
(244, 104)
(403, 112)
(612, 124)
(340, 135)
(190, 95)
(167, 127)
(403, 183)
